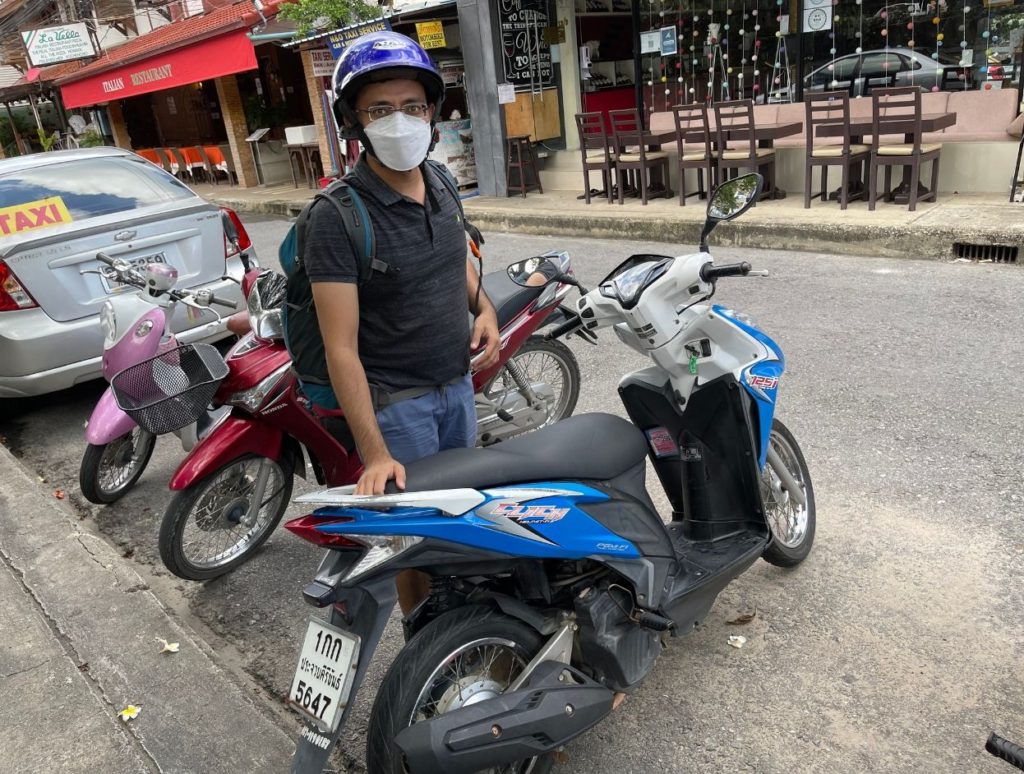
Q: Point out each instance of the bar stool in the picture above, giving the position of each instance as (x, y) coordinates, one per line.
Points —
(524, 160)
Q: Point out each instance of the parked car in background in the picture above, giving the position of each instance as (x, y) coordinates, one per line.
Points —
(57, 211)
(883, 68)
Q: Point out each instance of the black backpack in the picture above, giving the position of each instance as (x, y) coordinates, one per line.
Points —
(301, 327)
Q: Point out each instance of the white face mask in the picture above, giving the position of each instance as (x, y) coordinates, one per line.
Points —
(399, 141)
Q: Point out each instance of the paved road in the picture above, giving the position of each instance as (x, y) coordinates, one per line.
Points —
(895, 647)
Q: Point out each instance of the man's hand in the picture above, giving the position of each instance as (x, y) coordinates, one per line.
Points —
(485, 334)
(376, 475)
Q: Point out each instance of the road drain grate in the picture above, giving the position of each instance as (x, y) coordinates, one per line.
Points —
(994, 253)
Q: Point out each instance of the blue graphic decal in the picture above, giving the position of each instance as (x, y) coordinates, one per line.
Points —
(761, 380)
(513, 521)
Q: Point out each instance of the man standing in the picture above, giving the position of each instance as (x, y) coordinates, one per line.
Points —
(397, 347)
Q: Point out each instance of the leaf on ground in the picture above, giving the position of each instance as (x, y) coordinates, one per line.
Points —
(128, 553)
(42, 479)
(129, 713)
(561, 757)
(58, 493)
(743, 619)
(83, 667)
(168, 647)
(737, 641)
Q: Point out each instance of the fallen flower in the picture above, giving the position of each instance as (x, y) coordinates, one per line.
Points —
(130, 712)
(59, 494)
(169, 647)
(737, 641)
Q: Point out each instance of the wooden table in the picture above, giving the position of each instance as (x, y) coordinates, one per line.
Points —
(765, 134)
(862, 126)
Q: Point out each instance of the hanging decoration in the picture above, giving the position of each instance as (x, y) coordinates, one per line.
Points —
(964, 60)
(937, 8)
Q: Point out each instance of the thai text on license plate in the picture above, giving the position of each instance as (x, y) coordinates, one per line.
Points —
(323, 678)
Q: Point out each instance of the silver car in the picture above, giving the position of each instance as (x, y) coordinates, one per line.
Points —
(883, 68)
(57, 210)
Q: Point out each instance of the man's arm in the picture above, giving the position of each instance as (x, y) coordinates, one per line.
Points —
(337, 308)
(485, 329)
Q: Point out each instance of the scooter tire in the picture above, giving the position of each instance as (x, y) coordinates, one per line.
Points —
(89, 472)
(570, 370)
(416, 667)
(778, 553)
(179, 511)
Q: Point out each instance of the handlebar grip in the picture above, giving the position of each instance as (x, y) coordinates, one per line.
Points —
(104, 258)
(1006, 750)
(568, 326)
(229, 304)
(709, 272)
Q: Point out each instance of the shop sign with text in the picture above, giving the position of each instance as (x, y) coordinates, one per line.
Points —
(63, 43)
(338, 40)
(323, 62)
(430, 34)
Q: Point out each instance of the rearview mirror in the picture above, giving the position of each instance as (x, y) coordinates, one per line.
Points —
(730, 200)
(534, 272)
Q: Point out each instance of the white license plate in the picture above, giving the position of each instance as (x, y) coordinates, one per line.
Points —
(323, 678)
(109, 278)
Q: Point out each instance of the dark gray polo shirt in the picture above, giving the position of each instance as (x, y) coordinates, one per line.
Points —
(413, 322)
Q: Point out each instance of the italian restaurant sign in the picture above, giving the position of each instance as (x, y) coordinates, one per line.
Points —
(205, 60)
(64, 43)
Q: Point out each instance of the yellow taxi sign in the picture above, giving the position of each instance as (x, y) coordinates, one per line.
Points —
(431, 34)
(43, 213)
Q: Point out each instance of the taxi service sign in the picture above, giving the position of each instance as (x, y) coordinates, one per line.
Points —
(30, 216)
(431, 34)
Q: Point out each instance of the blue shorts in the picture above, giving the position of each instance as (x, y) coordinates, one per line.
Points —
(444, 418)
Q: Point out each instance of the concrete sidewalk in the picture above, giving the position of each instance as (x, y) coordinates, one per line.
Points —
(890, 230)
(80, 630)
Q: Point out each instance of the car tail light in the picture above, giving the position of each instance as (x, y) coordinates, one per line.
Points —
(12, 295)
(236, 238)
(306, 528)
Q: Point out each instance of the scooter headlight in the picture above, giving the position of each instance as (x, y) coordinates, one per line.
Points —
(108, 322)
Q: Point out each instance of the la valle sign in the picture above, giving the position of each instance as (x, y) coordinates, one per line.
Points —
(62, 43)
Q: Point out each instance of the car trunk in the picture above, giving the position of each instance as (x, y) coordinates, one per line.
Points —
(63, 276)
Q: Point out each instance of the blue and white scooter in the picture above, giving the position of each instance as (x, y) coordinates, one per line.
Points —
(553, 577)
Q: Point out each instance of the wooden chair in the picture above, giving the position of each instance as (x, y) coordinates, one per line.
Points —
(889, 106)
(596, 151)
(828, 108)
(628, 133)
(213, 160)
(525, 160)
(743, 153)
(689, 120)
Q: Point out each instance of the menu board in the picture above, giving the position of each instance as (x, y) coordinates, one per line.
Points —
(526, 57)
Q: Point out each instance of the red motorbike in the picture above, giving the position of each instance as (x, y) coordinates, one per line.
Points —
(233, 487)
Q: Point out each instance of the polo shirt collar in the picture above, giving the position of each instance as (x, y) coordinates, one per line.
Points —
(387, 195)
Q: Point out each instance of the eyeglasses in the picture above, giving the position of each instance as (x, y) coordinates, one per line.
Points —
(414, 110)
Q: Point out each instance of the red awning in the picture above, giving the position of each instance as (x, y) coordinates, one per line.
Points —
(211, 58)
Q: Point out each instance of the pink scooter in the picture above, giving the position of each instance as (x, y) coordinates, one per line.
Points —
(136, 327)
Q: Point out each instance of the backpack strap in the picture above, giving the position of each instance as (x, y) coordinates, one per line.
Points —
(453, 187)
(356, 221)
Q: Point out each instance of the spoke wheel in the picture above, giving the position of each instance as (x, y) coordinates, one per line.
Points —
(464, 657)
(551, 370)
(109, 470)
(792, 524)
(216, 524)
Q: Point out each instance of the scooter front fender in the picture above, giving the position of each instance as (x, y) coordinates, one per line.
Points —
(235, 437)
(108, 421)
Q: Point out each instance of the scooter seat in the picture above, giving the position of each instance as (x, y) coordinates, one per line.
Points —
(590, 447)
(509, 299)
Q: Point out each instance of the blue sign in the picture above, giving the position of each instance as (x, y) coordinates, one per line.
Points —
(669, 44)
(338, 39)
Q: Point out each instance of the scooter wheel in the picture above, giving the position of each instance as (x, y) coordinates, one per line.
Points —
(109, 470)
(472, 651)
(791, 524)
(210, 528)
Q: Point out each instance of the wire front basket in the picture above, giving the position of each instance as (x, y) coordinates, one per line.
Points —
(171, 390)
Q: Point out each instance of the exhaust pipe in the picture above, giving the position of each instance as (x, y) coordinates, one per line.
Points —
(556, 705)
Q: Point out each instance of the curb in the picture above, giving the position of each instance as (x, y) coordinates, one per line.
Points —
(195, 716)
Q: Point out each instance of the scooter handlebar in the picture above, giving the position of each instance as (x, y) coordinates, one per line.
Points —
(567, 327)
(105, 259)
(1006, 750)
(233, 306)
